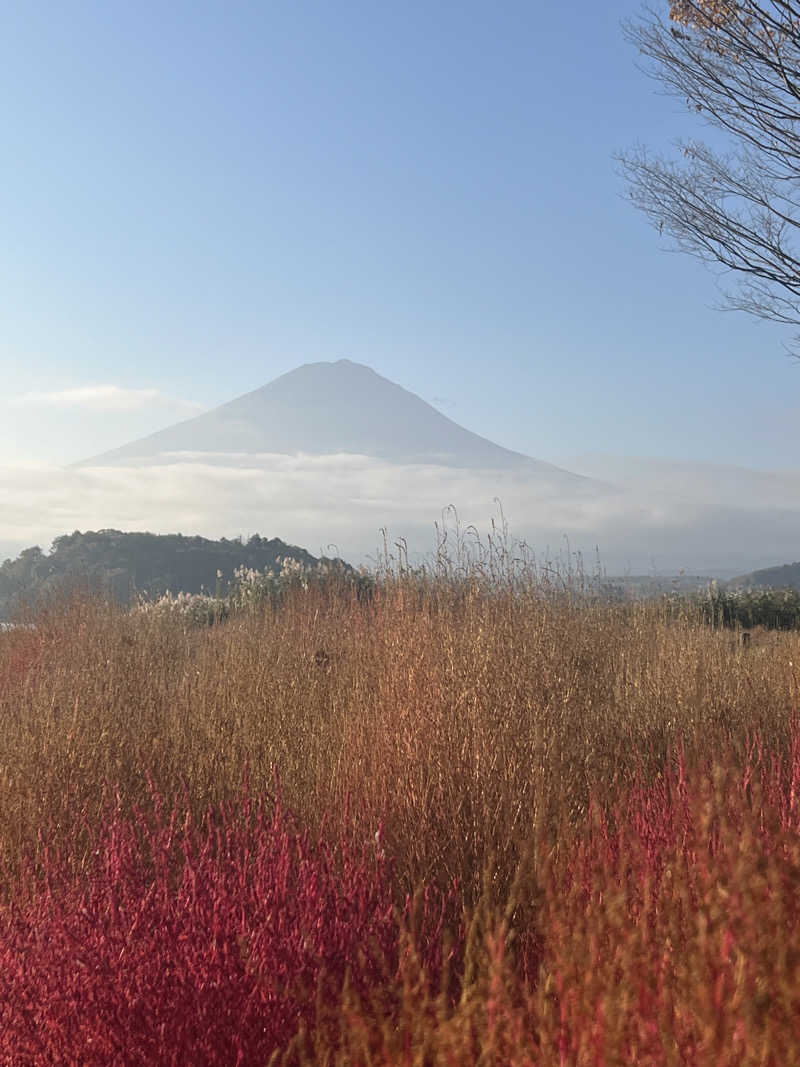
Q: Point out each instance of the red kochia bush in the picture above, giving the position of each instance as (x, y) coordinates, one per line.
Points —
(192, 945)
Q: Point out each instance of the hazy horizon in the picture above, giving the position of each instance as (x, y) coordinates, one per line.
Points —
(632, 514)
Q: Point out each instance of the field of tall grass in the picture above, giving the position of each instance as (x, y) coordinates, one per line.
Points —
(453, 821)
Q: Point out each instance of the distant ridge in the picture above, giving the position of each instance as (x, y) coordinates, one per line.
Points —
(786, 576)
(329, 408)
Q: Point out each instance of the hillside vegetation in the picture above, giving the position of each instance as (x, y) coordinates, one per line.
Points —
(457, 821)
(747, 608)
(786, 576)
(125, 565)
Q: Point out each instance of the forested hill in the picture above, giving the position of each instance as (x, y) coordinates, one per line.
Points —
(786, 576)
(127, 564)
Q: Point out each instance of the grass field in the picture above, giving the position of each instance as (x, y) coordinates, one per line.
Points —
(451, 822)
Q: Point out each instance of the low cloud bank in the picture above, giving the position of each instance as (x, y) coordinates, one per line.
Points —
(101, 398)
(655, 517)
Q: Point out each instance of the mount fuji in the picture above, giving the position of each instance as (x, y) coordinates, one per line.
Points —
(329, 409)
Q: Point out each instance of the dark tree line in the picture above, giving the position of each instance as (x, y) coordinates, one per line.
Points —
(126, 564)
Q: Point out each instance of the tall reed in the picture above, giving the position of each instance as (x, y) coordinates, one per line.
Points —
(589, 784)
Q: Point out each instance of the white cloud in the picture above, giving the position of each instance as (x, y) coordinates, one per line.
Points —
(668, 521)
(101, 398)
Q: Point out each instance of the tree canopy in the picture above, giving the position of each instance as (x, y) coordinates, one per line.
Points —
(126, 564)
(736, 202)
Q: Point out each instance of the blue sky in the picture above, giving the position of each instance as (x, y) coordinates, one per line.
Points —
(199, 197)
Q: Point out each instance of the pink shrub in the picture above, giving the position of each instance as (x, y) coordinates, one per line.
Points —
(189, 945)
(672, 928)
(665, 931)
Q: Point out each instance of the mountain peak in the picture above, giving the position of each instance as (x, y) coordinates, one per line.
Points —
(329, 408)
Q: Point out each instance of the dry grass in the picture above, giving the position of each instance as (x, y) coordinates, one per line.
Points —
(471, 730)
(460, 720)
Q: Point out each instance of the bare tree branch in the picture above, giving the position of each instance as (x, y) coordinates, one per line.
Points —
(737, 64)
